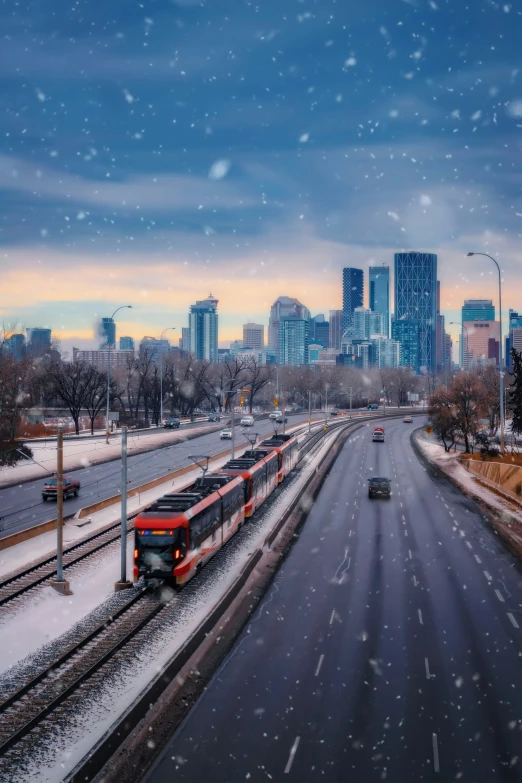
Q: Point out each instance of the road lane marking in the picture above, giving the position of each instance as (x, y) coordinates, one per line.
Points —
(469, 545)
(319, 665)
(406, 533)
(435, 742)
(420, 616)
(332, 617)
(488, 576)
(499, 596)
(409, 554)
(414, 580)
(513, 621)
(427, 667)
(477, 558)
(292, 754)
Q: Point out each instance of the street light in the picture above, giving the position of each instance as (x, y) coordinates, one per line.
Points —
(161, 374)
(500, 362)
(123, 307)
(463, 326)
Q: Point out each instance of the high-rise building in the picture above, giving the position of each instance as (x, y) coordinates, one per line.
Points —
(203, 325)
(515, 322)
(366, 323)
(236, 346)
(335, 332)
(99, 359)
(152, 348)
(380, 294)
(39, 342)
(126, 343)
(107, 333)
(254, 336)
(407, 333)
(474, 310)
(416, 299)
(385, 352)
(283, 307)
(353, 293)
(184, 340)
(15, 344)
(478, 335)
(293, 340)
(320, 330)
(448, 351)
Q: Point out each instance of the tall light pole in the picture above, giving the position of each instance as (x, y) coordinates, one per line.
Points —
(161, 374)
(123, 307)
(465, 328)
(500, 362)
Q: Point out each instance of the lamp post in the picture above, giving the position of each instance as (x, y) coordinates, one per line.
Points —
(123, 307)
(500, 362)
(161, 374)
(463, 326)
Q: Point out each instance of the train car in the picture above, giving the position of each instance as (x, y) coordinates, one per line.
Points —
(180, 532)
(287, 450)
(259, 471)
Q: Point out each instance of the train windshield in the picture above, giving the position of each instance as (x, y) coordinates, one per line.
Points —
(160, 548)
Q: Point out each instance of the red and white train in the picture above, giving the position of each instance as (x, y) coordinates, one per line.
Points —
(179, 533)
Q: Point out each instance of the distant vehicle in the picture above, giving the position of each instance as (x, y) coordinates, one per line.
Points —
(335, 412)
(226, 434)
(280, 418)
(379, 487)
(71, 487)
(378, 434)
(172, 423)
(247, 421)
(274, 414)
(214, 417)
(407, 420)
(373, 407)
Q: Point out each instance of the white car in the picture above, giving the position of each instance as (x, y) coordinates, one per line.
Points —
(275, 415)
(247, 421)
(226, 434)
(407, 420)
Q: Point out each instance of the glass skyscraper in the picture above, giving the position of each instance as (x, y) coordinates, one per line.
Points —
(353, 290)
(416, 299)
(203, 325)
(293, 340)
(380, 294)
(407, 333)
(108, 333)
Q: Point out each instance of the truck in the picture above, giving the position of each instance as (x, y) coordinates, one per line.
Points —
(378, 434)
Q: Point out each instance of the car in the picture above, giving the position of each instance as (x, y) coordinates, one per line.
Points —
(71, 487)
(274, 414)
(247, 421)
(407, 420)
(335, 412)
(172, 423)
(214, 417)
(373, 407)
(280, 419)
(378, 434)
(379, 487)
(226, 434)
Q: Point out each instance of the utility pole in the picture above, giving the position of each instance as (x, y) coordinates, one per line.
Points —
(326, 407)
(123, 584)
(351, 395)
(107, 433)
(309, 411)
(60, 584)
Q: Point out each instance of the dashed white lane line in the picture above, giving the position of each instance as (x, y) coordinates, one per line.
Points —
(415, 580)
(499, 596)
(293, 751)
(321, 659)
(488, 576)
(409, 554)
(513, 621)
(469, 545)
(420, 616)
(477, 558)
(332, 617)
(427, 667)
(435, 743)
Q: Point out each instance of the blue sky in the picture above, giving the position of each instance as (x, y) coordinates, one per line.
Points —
(154, 151)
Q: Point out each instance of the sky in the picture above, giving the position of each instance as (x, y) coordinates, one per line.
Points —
(153, 152)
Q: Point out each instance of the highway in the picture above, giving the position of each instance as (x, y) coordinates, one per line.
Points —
(21, 506)
(388, 647)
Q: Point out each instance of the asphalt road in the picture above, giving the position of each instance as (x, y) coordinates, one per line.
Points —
(387, 649)
(21, 507)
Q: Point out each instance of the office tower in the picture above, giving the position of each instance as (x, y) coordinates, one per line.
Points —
(365, 324)
(126, 343)
(184, 340)
(107, 333)
(353, 291)
(384, 352)
(293, 340)
(406, 332)
(15, 344)
(254, 336)
(39, 342)
(515, 322)
(379, 298)
(203, 324)
(99, 358)
(151, 348)
(477, 335)
(474, 310)
(416, 299)
(283, 306)
(319, 330)
(448, 351)
(335, 332)
(236, 346)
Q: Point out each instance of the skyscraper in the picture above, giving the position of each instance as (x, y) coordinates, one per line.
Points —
(126, 343)
(283, 306)
(319, 331)
(474, 310)
(407, 333)
(365, 324)
(254, 336)
(108, 333)
(184, 340)
(293, 340)
(416, 299)
(480, 351)
(353, 291)
(16, 345)
(39, 342)
(203, 325)
(380, 294)
(335, 332)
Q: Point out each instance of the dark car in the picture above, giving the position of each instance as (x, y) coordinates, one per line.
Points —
(172, 423)
(214, 417)
(335, 412)
(71, 487)
(280, 419)
(379, 487)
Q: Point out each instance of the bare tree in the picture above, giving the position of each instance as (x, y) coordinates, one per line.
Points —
(70, 383)
(95, 392)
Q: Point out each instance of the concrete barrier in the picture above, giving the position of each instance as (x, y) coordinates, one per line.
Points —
(507, 478)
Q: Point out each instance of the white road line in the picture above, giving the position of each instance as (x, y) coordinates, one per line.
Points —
(292, 754)
(513, 621)
(435, 742)
(499, 596)
(414, 580)
(321, 659)
(409, 554)
(427, 667)
(403, 518)
(488, 576)
(406, 533)
(420, 616)
(332, 617)
(469, 545)
(477, 558)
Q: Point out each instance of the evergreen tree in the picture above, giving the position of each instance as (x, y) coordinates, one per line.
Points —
(515, 393)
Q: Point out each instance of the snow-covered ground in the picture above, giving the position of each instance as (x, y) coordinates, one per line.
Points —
(161, 639)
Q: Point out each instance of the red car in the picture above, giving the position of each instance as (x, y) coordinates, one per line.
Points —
(71, 487)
